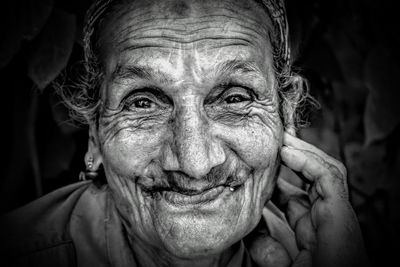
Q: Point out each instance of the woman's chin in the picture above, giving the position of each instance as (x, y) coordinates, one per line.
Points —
(190, 227)
(189, 250)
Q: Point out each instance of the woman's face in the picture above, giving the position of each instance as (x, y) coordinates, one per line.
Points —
(190, 131)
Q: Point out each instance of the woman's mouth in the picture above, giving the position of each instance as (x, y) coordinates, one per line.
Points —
(193, 198)
(179, 190)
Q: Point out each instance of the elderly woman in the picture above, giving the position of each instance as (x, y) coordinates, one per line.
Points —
(191, 107)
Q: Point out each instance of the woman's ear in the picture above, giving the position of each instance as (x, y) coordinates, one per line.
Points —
(93, 156)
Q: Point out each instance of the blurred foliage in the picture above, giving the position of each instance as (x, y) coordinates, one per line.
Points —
(346, 49)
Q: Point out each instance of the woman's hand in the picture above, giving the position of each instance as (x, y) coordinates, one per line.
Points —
(323, 229)
(325, 225)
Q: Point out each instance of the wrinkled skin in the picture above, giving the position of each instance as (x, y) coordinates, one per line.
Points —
(190, 104)
(190, 135)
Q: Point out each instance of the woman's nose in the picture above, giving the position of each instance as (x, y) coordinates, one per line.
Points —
(194, 150)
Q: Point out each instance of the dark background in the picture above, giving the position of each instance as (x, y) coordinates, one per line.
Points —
(348, 50)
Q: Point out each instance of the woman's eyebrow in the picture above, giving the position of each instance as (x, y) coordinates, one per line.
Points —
(132, 72)
(241, 72)
(233, 66)
(222, 71)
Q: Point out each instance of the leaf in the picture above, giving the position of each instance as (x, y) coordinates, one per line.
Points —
(53, 49)
(21, 19)
(366, 166)
(382, 108)
(348, 56)
(349, 105)
(37, 14)
(11, 30)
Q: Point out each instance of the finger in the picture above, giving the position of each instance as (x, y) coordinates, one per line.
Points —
(289, 191)
(335, 176)
(303, 259)
(266, 251)
(313, 194)
(306, 235)
(298, 214)
(291, 177)
(296, 209)
(295, 142)
(328, 180)
(296, 200)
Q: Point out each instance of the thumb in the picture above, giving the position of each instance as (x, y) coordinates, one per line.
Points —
(265, 251)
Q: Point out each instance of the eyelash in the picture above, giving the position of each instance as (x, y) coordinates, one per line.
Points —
(129, 101)
(151, 94)
(243, 98)
(248, 96)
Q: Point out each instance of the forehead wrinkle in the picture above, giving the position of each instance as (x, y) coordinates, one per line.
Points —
(209, 36)
(188, 24)
(132, 23)
(230, 24)
(186, 45)
(170, 37)
(190, 30)
(163, 32)
(127, 23)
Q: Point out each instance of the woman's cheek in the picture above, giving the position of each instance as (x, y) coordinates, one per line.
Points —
(129, 153)
(260, 148)
(257, 145)
(253, 132)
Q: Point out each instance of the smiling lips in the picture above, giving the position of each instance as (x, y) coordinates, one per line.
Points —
(178, 189)
(205, 196)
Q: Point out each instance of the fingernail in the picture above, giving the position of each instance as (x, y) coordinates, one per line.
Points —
(287, 147)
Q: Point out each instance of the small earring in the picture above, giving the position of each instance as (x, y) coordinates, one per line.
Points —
(89, 173)
(90, 163)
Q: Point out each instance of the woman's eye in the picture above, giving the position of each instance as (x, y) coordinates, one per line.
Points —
(144, 103)
(232, 99)
(136, 103)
